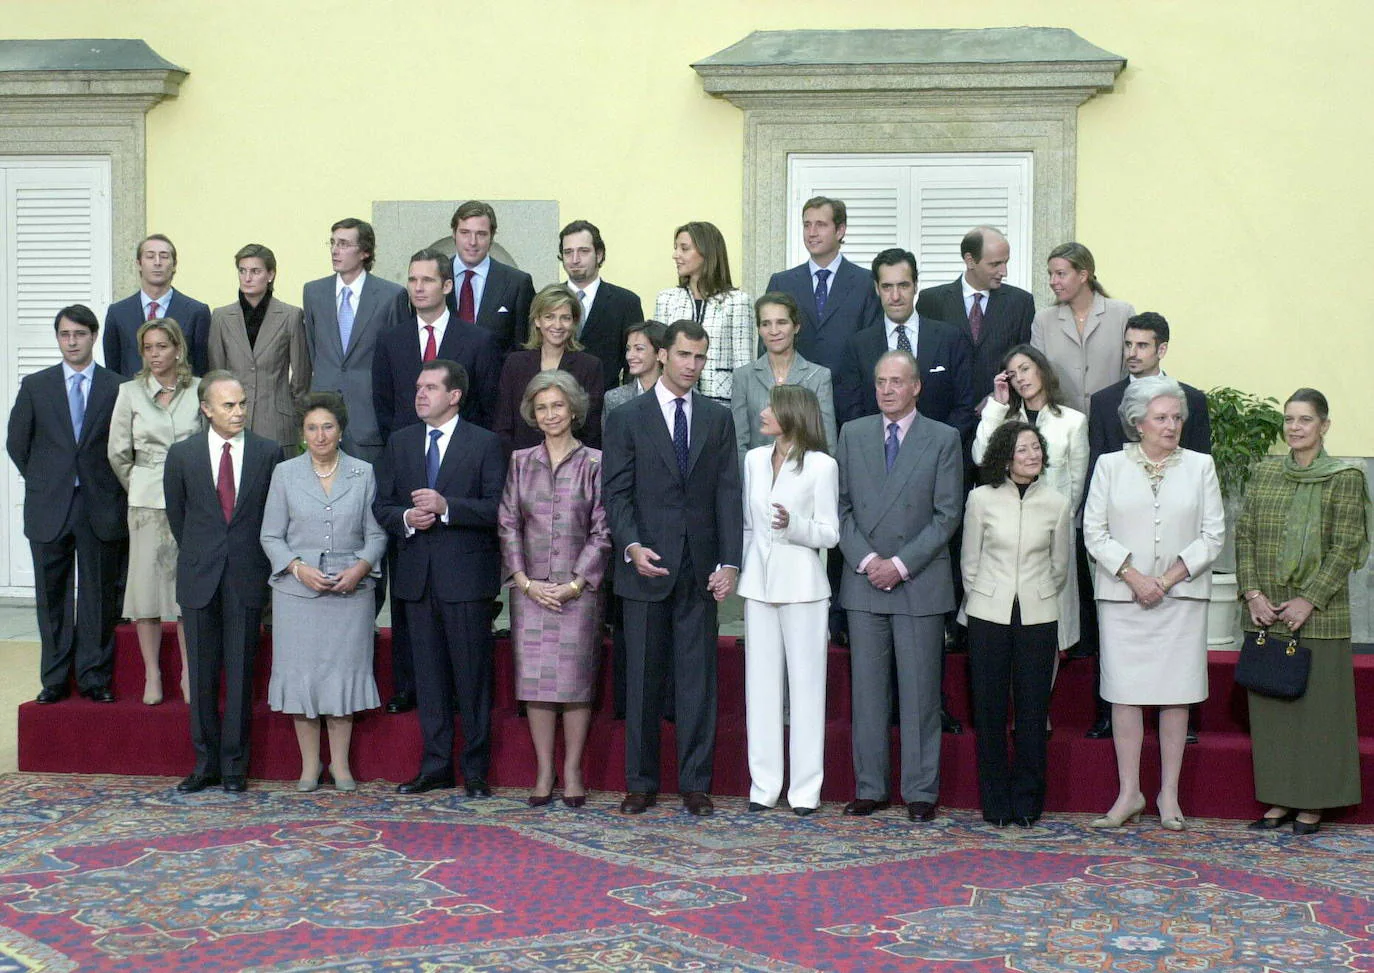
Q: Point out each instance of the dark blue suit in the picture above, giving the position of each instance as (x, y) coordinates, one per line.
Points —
(125, 317)
(1006, 323)
(603, 333)
(946, 384)
(851, 305)
(70, 527)
(396, 365)
(505, 307)
(445, 579)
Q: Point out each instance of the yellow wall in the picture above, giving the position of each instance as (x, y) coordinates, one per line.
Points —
(1225, 175)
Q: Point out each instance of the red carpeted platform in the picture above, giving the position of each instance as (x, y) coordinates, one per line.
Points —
(78, 736)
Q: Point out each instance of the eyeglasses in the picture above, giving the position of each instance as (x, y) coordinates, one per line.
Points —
(341, 245)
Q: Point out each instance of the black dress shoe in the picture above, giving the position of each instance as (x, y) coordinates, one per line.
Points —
(949, 724)
(1272, 824)
(862, 807)
(401, 703)
(698, 804)
(198, 782)
(756, 806)
(99, 694)
(637, 802)
(802, 812)
(423, 783)
(920, 811)
(51, 694)
(1101, 730)
(235, 783)
(476, 787)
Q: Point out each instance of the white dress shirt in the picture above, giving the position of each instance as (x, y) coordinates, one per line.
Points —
(969, 291)
(667, 404)
(355, 290)
(89, 372)
(588, 296)
(913, 331)
(440, 325)
(446, 435)
(833, 267)
(479, 280)
(235, 455)
(162, 303)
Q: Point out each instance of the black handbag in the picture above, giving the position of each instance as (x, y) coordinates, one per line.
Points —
(1274, 665)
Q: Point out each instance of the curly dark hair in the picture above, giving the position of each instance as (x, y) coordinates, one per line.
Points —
(996, 465)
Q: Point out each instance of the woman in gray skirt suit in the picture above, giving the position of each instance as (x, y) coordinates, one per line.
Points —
(320, 535)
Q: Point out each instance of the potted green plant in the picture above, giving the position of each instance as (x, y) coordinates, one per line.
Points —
(1244, 428)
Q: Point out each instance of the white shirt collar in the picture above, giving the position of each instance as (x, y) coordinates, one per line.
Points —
(162, 302)
(970, 290)
(440, 323)
(588, 289)
(481, 270)
(68, 371)
(833, 266)
(356, 287)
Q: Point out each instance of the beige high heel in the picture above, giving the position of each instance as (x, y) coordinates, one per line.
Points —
(1130, 817)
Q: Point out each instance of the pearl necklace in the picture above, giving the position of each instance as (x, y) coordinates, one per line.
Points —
(325, 476)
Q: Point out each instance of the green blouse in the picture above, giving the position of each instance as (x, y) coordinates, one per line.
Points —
(1259, 544)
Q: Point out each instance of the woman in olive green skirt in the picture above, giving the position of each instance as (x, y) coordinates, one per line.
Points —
(1303, 529)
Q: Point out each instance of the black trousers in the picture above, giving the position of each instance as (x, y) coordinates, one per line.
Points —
(79, 598)
(402, 661)
(222, 636)
(451, 647)
(1015, 660)
(676, 635)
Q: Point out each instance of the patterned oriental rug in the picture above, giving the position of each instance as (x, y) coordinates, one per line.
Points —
(120, 873)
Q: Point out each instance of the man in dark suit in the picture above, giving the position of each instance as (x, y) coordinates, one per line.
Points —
(156, 258)
(607, 310)
(1146, 343)
(835, 295)
(430, 333)
(345, 315)
(486, 292)
(438, 489)
(901, 499)
(74, 509)
(216, 486)
(943, 352)
(994, 315)
(673, 501)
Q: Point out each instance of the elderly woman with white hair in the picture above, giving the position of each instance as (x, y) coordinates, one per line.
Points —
(1154, 524)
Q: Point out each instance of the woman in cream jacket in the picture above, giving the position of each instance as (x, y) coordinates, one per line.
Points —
(1027, 389)
(791, 515)
(1017, 552)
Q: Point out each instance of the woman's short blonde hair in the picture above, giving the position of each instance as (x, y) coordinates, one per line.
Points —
(555, 378)
(551, 297)
(174, 334)
(1135, 402)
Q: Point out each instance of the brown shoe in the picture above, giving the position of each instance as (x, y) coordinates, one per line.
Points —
(698, 803)
(637, 803)
(920, 811)
(862, 807)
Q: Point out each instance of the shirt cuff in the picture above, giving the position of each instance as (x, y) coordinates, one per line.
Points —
(901, 568)
(864, 563)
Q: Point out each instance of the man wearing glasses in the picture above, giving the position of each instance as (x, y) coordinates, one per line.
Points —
(344, 315)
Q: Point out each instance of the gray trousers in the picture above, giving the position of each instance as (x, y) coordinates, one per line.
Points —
(917, 644)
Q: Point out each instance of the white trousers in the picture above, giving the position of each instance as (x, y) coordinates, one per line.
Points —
(785, 653)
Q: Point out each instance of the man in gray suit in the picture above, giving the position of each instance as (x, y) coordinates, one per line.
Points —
(345, 314)
(901, 498)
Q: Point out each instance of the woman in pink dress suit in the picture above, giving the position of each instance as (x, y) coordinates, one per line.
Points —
(555, 544)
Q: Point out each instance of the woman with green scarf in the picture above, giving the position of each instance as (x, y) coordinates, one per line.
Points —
(1303, 529)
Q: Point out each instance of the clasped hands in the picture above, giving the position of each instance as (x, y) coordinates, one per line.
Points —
(1294, 612)
(550, 594)
(427, 507)
(331, 584)
(882, 573)
(720, 583)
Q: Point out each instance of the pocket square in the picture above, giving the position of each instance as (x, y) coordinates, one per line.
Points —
(503, 310)
(937, 368)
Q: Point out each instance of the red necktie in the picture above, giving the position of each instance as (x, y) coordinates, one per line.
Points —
(225, 485)
(975, 316)
(152, 310)
(431, 350)
(467, 312)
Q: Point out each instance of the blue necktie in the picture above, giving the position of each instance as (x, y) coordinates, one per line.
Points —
(77, 403)
(432, 458)
(822, 292)
(891, 446)
(345, 317)
(680, 436)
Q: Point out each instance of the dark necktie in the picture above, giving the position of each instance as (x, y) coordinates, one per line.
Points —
(467, 310)
(822, 292)
(431, 350)
(432, 458)
(152, 310)
(224, 486)
(903, 341)
(975, 317)
(891, 446)
(680, 436)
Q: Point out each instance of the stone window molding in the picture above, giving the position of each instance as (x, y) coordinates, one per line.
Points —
(1014, 89)
(89, 97)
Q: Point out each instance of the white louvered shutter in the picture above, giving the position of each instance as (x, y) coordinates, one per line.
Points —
(55, 251)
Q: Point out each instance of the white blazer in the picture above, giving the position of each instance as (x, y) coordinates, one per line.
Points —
(1123, 518)
(1016, 549)
(786, 566)
(1066, 437)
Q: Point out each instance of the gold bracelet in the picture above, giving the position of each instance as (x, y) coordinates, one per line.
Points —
(576, 586)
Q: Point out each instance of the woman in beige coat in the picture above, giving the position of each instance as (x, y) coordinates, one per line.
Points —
(262, 341)
(156, 408)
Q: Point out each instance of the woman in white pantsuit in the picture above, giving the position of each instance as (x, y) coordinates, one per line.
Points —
(791, 515)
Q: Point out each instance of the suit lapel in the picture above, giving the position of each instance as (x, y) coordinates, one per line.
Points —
(273, 321)
(652, 420)
(363, 317)
(894, 481)
(249, 475)
(696, 435)
(238, 330)
(839, 289)
(61, 405)
(493, 289)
